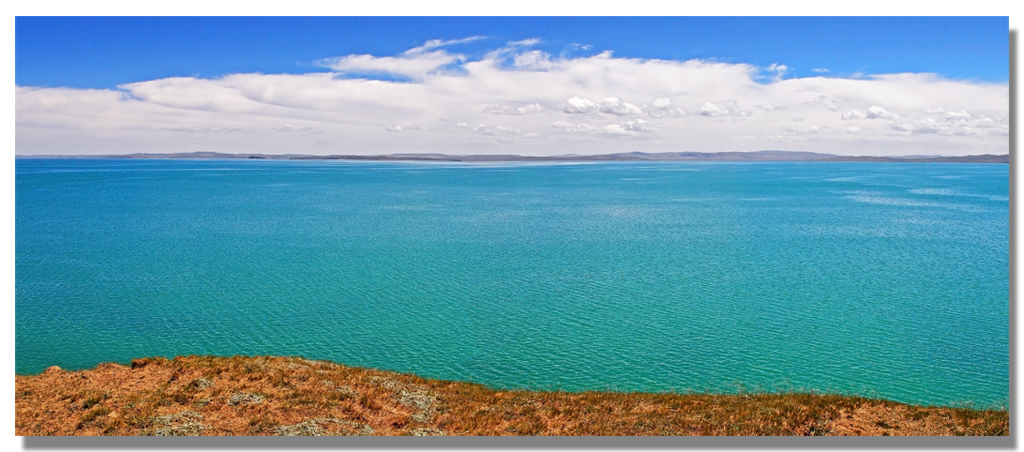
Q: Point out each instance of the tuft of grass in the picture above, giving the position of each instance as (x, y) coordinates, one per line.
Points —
(262, 425)
(99, 411)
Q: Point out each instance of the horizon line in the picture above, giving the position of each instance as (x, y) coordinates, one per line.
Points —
(766, 155)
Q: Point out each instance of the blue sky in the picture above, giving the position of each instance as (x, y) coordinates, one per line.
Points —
(500, 85)
(102, 52)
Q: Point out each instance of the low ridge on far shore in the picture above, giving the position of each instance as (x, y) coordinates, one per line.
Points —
(753, 156)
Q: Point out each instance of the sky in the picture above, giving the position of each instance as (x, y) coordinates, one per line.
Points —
(501, 85)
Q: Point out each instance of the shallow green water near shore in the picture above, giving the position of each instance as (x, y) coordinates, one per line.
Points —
(886, 280)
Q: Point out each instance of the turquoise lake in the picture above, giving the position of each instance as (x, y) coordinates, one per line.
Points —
(878, 279)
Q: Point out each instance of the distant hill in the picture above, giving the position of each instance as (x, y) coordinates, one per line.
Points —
(756, 156)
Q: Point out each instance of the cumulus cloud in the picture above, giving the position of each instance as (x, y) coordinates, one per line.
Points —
(638, 126)
(527, 109)
(300, 128)
(812, 130)
(722, 108)
(579, 105)
(829, 102)
(629, 128)
(610, 105)
(573, 127)
(915, 127)
(957, 116)
(663, 107)
(537, 60)
(854, 114)
(619, 107)
(496, 130)
(616, 129)
(369, 104)
(876, 112)
(632, 128)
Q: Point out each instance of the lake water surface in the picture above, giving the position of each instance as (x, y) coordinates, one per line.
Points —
(879, 279)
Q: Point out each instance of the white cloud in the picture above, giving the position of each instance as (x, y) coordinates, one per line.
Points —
(957, 116)
(779, 70)
(528, 109)
(516, 55)
(610, 105)
(812, 130)
(204, 129)
(830, 102)
(579, 105)
(415, 63)
(722, 108)
(592, 103)
(819, 69)
(435, 43)
(662, 107)
(415, 66)
(533, 60)
(876, 112)
(619, 107)
(854, 114)
(524, 42)
(632, 128)
(638, 125)
(616, 129)
(573, 127)
(496, 130)
(299, 128)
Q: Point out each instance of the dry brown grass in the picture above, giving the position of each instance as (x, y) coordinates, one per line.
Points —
(203, 395)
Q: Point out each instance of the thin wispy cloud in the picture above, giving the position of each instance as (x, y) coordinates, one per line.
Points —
(435, 43)
(519, 99)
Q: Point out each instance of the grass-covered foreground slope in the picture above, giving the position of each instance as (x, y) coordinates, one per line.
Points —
(201, 395)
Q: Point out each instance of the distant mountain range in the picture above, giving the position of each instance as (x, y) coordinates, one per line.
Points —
(757, 156)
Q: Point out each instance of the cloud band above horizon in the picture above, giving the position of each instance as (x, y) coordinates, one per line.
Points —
(519, 100)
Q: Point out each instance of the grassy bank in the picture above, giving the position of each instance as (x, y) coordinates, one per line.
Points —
(202, 395)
